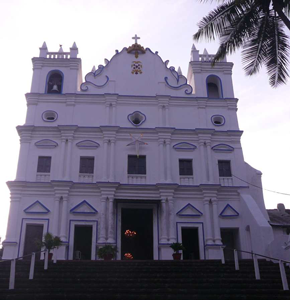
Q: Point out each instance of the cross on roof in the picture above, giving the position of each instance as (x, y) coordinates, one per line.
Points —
(135, 38)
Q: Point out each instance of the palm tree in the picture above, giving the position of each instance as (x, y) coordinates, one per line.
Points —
(256, 26)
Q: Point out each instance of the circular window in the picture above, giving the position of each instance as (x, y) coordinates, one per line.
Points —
(49, 116)
(136, 118)
(218, 120)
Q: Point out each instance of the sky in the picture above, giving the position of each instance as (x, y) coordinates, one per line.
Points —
(100, 27)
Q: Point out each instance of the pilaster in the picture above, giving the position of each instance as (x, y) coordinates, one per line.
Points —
(107, 224)
(16, 189)
(56, 211)
(168, 160)
(163, 223)
(105, 159)
(217, 230)
(161, 143)
(109, 143)
(67, 136)
(25, 133)
(111, 106)
(61, 192)
(31, 102)
(167, 218)
(112, 159)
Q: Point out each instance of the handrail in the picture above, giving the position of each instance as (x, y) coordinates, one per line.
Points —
(16, 258)
(261, 255)
(32, 265)
(256, 264)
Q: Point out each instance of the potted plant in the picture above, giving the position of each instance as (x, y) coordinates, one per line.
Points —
(107, 252)
(49, 242)
(176, 247)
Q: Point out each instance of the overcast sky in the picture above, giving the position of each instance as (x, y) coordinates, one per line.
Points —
(99, 28)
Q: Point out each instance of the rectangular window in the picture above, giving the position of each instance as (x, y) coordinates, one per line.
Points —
(87, 165)
(225, 168)
(43, 165)
(136, 165)
(185, 167)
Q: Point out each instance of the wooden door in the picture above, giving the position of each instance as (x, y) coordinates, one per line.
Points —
(33, 233)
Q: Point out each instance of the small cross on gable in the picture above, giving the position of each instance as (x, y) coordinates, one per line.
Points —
(135, 38)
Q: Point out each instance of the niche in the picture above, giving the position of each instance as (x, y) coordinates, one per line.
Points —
(214, 87)
(54, 82)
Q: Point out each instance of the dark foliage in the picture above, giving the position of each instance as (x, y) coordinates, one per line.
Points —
(256, 26)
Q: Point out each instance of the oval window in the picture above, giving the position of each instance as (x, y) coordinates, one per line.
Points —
(218, 120)
(49, 116)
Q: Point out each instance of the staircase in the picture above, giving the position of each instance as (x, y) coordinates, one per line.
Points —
(154, 280)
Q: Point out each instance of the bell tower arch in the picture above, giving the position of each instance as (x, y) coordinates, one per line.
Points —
(56, 72)
(208, 80)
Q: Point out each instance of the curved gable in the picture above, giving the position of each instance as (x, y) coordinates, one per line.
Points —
(144, 75)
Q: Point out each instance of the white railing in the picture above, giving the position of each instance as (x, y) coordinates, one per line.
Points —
(32, 265)
(206, 57)
(226, 181)
(186, 180)
(209, 57)
(86, 177)
(58, 55)
(43, 177)
(136, 179)
(256, 264)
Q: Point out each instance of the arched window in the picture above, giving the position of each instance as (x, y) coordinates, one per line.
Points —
(214, 87)
(54, 82)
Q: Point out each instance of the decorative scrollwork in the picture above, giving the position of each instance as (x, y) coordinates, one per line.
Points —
(181, 81)
(98, 72)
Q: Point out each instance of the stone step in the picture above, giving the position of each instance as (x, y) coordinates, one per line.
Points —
(152, 280)
(151, 295)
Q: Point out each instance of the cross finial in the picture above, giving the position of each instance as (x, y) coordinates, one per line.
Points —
(135, 38)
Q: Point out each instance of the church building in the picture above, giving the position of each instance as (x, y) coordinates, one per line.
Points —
(134, 155)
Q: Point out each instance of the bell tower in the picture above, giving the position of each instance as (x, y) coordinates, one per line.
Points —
(207, 80)
(56, 72)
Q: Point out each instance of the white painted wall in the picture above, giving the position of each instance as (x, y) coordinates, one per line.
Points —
(100, 114)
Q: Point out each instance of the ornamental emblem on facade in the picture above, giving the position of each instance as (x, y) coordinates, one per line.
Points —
(136, 67)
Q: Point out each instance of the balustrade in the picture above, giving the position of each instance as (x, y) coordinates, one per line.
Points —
(56, 55)
(186, 180)
(43, 177)
(136, 179)
(226, 181)
(86, 177)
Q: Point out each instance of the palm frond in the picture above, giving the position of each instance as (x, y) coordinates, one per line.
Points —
(277, 52)
(287, 8)
(254, 53)
(236, 33)
(281, 7)
(220, 18)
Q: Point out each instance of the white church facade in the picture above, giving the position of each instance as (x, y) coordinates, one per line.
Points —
(134, 146)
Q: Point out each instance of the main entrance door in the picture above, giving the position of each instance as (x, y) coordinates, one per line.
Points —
(140, 246)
